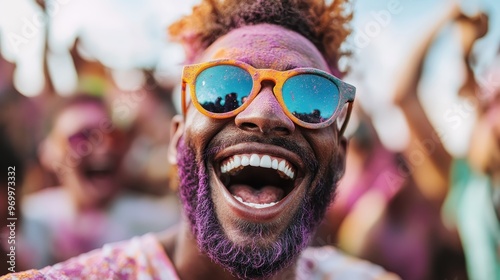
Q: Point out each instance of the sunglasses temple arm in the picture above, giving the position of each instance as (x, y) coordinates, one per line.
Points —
(346, 121)
(183, 97)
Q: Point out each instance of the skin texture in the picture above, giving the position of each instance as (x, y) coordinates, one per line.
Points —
(235, 244)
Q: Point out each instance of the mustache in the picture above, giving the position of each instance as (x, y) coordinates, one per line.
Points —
(217, 145)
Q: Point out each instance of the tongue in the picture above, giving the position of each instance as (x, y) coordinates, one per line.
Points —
(264, 195)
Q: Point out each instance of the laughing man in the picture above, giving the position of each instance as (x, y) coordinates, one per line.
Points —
(259, 150)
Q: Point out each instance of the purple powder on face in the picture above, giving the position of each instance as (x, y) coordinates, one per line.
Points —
(251, 260)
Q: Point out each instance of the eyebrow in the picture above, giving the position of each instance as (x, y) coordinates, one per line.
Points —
(288, 66)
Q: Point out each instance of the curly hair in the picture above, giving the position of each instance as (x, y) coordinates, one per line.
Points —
(326, 26)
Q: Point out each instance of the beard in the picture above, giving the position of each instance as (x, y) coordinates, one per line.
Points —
(251, 260)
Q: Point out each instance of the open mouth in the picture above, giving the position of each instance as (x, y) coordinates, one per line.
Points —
(100, 170)
(95, 173)
(258, 180)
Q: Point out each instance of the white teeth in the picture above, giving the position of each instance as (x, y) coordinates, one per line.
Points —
(265, 161)
(245, 161)
(255, 205)
(255, 160)
(274, 165)
(237, 161)
(281, 166)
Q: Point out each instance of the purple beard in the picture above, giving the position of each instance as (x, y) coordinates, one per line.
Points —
(249, 261)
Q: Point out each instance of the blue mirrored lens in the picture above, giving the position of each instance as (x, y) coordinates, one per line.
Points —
(311, 98)
(223, 88)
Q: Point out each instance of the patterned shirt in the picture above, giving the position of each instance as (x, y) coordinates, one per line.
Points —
(143, 258)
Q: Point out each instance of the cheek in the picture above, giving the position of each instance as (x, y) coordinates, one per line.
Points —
(200, 129)
(330, 153)
(325, 145)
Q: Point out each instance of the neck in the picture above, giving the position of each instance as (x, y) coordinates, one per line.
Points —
(181, 247)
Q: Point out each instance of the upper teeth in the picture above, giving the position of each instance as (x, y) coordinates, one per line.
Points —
(239, 161)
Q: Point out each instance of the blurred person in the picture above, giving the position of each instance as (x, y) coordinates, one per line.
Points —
(381, 216)
(144, 109)
(369, 164)
(255, 182)
(467, 186)
(388, 209)
(84, 150)
(473, 204)
(91, 207)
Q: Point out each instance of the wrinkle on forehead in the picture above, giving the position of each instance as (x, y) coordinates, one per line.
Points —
(267, 46)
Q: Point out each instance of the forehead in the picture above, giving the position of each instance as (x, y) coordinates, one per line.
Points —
(267, 46)
(79, 116)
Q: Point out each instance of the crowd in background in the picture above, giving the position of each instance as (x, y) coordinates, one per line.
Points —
(86, 102)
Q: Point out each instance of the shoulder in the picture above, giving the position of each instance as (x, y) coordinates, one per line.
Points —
(329, 263)
(137, 258)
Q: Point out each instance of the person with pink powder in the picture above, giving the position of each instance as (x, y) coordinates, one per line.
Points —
(257, 176)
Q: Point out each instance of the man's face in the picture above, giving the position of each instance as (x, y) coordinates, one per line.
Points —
(89, 150)
(254, 220)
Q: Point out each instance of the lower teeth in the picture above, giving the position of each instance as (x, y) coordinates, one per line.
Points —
(255, 205)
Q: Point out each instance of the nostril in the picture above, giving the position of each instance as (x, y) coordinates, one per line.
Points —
(249, 126)
(282, 130)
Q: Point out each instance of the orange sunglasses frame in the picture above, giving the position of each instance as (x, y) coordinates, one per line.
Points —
(191, 72)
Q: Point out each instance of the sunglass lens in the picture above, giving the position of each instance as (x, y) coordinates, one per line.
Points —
(223, 88)
(310, 98)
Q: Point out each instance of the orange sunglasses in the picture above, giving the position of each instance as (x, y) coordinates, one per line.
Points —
(309, 97)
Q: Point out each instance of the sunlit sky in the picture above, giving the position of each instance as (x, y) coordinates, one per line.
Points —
(128, 34)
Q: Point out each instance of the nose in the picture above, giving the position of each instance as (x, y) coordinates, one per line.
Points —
(108, 143)
(264, 114)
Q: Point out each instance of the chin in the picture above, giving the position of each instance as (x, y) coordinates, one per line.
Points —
(252, 220)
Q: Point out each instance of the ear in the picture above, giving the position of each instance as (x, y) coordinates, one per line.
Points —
(176, 132)
(343, 143)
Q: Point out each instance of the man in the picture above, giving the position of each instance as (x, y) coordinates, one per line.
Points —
(473, 204)
(91, 207)
(84, 149)
(255, 178)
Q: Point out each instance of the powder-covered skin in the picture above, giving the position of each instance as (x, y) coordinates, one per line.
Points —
(246, 248)
(263, 38)
(251, 260)
(279, 54)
